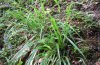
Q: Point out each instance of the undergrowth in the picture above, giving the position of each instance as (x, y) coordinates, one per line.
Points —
(35, 37)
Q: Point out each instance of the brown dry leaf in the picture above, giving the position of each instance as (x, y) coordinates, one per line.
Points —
(1, 63)
(97, 63)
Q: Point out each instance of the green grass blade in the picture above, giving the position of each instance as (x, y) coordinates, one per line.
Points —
(64, 62)
(58, 52)
(67, 61)
(31, 58)
(23, 51)
(75, 47)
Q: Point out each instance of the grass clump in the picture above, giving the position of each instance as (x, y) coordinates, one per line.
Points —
(39, 38)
